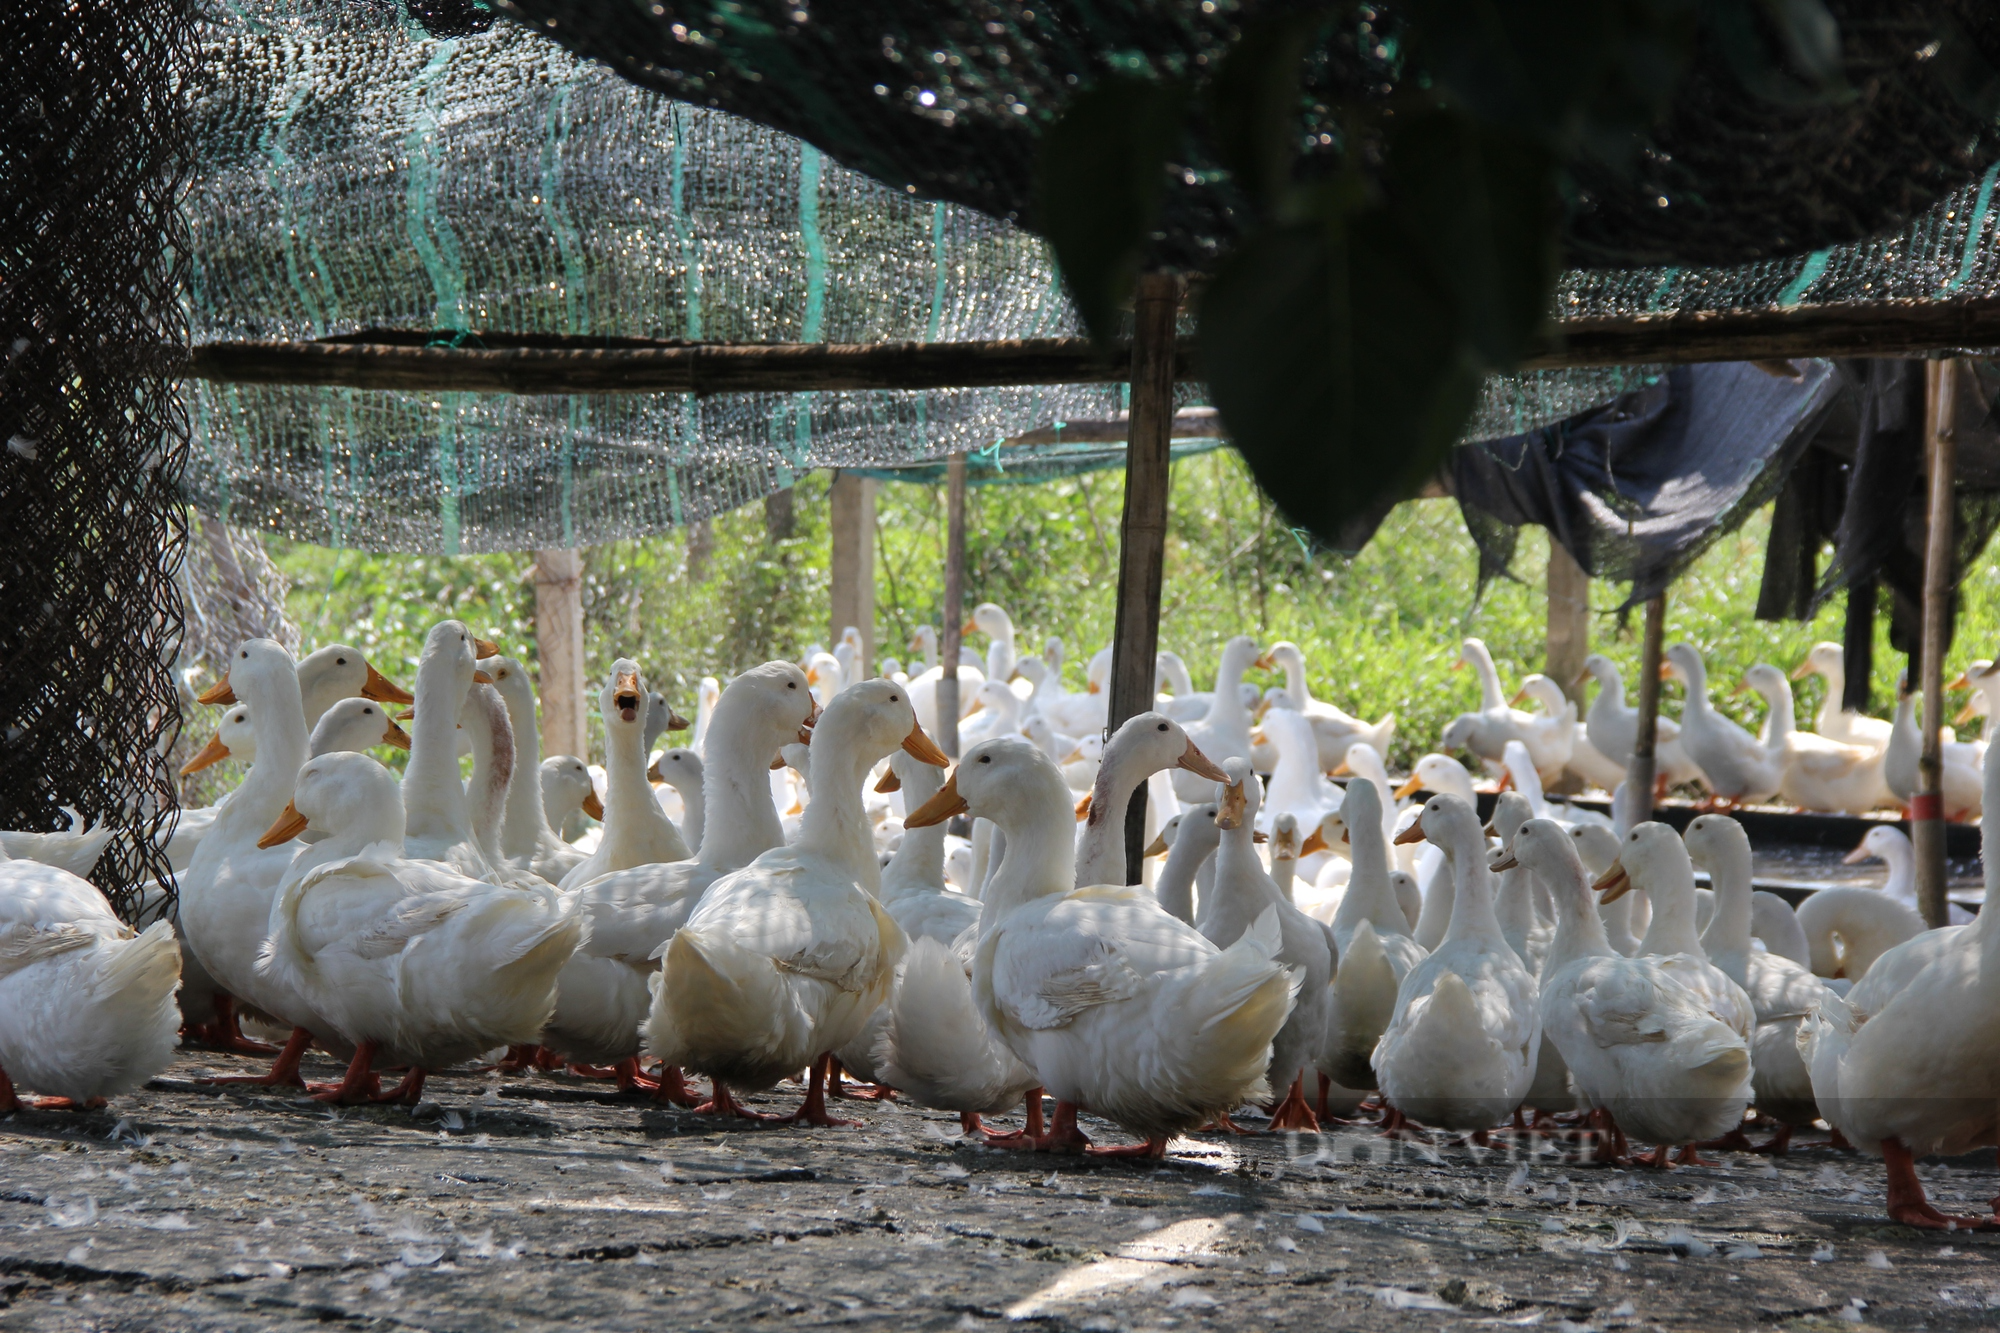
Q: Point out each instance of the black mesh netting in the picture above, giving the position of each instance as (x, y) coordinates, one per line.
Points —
(947, 101)
(91, 266)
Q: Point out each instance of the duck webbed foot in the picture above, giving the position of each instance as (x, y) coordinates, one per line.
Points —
(722, 1102)
(359, 1084)
(1294, 1112)
(672, 1088)
(859, 1092)
(812, 1111)
(226, 1032)
(284, 1071)
(1908, 1203)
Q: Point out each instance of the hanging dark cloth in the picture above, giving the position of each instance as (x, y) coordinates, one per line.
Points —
(1637, 489)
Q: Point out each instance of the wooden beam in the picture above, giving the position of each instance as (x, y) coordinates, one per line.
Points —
(954, 605)
(851, 568)
(1927, 805)
(1568, 639)
(1640, 772)
(559, 652)
(498, 362)
(1142, 531)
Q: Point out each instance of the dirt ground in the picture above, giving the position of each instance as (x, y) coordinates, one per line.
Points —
(541, 1202)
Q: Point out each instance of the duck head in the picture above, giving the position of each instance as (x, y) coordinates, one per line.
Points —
(1006, 780)
(1237, 795)
(566, 786)
(357, 724)
(1651, 857)
(234, 739)
(342, 670)
(1545, 848)
(1150, 742)
(347, 796)
(1448, 823)
(1825, 659)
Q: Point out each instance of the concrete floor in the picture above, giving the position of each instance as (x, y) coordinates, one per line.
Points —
(541, 1202)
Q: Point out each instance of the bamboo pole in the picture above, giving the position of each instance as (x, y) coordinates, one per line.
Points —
(1142, 544)
(851, 562)
(1640, 772)
(559, 651)
(954, 605)
(1927, 805)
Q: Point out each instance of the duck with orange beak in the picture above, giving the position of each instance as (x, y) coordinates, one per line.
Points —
(637, 831)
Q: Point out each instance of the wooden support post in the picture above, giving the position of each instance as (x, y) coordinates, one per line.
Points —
(559, 650)
(1927, 805)
(1569, 620)
(851, 499)
(954, 605)
(1142, 552)
(1639, 774)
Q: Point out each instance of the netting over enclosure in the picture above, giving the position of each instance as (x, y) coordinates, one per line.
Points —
(91, 333)
(359, 173)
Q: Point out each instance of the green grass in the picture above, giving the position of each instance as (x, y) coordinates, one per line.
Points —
(1380, 632)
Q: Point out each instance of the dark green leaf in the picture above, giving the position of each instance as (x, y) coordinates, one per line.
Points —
(1100, 178)
(1482, 205)
(1333, 353)
(1254, 105)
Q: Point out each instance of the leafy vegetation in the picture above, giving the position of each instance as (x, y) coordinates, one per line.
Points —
(1380, 631)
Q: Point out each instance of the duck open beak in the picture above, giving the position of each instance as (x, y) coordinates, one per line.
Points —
(890, 782)
(212, 753)
(939, 807)
(396, 736)
(923, 749)
(218, 693)
(1414, 785)
(625, 695)
(1199, 764)
(484, 647)
(1315, 842)
(383, 690)
(593, 807)
(1414, 833)
(1614, 883)
(1802, 670)
(288, 826)
(1234, 802)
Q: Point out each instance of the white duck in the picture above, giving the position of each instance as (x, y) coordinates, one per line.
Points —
(74, 849)
(1961, 787)
(1891, 846)
(1773, 922)
(527, 839)
(438, 815)
(1487, 730)
(1224, 731)
(1835, 721)
(1597, 847)
(1922, 1074)
(338, 672)
(86, 1004)
(1640, 1044)
(1243, 893)
(1298, 787)
(924, 685)
(1514, 891)
(1177, 697)
(682, 771)
(1146, 744)
(605, 994)
(1335, 729)
(1119, 1008)
(1782, 992)
(992, 620)
(1585, 760)
(995, 711)
(227, 891)
(1375, 949)
(1847, 929)
(1739, 768)
(636, 831)
(1189, 840)
(707, 695)
(785, 959)
(930, 1043)
(1612, 728)
(1818, 774)
(1459, 1052)
(1088, 713)
(235, 739)
(409, 961)
(1654, 860)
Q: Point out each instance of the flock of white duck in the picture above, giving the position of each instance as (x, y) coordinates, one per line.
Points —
(780, 898)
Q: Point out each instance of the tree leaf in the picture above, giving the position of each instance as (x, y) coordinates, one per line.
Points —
(1333, 352)
(1253, 105)
(1100, 178)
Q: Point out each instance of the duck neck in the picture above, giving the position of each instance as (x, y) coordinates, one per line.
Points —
(1039, 858)
(1472, 915)
(1727, 939)
(1175, 887)
(1100, 850)
(1370, 895)
(1236, 860)
(1671, 930)
(1610, 692)
(1491, 697)
(1783, 719)
(694, 812)
(736, 780)
(433, 796)
(835, 825)
(278, 721)
(1440, 905)
(1902, 862)
(1697, 688)
(1295, 680)
(918, 865)
(1580, 930)
(522, 834)
(1836, 689)
(633, 820)
(492, 766)
(1514, 906)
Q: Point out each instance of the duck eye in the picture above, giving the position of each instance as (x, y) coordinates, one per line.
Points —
(985, 758)
(791, 685)
(893, 699)
(1163, 726)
